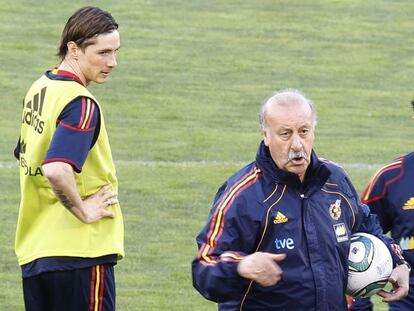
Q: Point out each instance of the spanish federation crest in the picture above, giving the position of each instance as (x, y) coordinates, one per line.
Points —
(335, 210)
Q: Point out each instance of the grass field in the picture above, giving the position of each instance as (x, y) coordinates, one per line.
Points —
(182, 107)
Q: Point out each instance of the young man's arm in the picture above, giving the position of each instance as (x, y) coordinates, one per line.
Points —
(62, 181)
(76, 131)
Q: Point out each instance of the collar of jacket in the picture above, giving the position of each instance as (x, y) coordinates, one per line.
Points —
(316, 174)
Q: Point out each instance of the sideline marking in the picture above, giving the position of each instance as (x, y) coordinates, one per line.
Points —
(352, 166)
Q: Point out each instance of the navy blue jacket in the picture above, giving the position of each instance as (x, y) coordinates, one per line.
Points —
(262, 208)
(390, 195)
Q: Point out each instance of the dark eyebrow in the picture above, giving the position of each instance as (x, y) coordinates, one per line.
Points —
(108, 50)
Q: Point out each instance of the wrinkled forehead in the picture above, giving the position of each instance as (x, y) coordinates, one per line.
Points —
(289, 106)
(287, 98)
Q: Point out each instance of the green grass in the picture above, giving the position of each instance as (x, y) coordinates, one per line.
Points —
(182, 107)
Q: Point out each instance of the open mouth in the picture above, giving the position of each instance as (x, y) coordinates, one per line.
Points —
(297, 160)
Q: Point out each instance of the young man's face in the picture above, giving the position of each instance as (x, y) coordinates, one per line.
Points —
(98, 59)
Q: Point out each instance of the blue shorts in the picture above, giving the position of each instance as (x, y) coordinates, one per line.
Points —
(87, 289)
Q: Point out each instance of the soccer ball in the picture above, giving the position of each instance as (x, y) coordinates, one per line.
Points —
(370, 265)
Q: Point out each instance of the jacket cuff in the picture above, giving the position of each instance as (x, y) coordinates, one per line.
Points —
(396, 254)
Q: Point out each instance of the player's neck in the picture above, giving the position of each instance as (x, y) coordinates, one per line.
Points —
(72, 67)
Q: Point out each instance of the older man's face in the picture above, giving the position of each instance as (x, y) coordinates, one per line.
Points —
(289, 134)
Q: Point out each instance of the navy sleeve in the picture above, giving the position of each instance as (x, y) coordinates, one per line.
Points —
(214, 269)
(76, 132)
(379, 207)
(368, 222)
(376, 196)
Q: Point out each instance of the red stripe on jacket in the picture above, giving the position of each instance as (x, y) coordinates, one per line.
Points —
(211, 243)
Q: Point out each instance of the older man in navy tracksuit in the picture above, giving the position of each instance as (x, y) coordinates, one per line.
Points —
(278, 235)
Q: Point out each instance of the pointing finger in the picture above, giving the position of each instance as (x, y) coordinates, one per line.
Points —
(278, 257)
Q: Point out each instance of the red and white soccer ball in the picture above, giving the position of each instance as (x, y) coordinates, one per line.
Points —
(370, 265)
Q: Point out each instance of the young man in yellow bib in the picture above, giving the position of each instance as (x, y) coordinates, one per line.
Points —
(70, 227)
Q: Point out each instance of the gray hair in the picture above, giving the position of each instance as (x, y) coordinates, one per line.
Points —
(284, 97)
